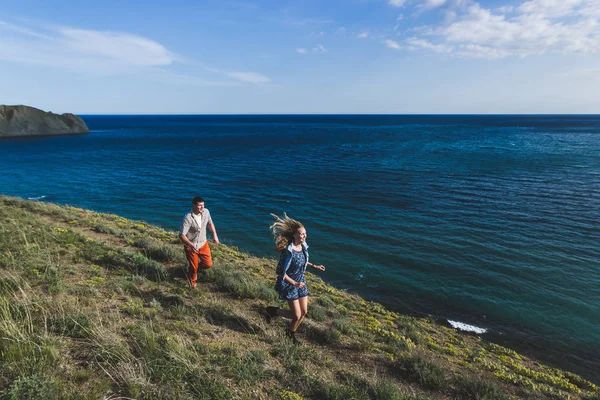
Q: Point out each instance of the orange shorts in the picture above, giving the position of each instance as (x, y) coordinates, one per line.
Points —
(198, 260)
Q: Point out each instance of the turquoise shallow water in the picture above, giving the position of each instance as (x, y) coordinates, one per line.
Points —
(488, 220)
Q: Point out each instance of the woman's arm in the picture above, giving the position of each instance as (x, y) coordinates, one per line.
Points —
(315, 266)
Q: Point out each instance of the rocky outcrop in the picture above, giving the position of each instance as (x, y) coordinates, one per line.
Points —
(19, 121)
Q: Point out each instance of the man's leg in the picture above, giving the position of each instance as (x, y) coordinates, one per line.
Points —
(192, 265)
(205, 258)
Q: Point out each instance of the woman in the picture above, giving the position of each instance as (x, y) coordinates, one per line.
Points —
(290, 241)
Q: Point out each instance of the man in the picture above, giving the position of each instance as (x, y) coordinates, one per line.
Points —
(192, 233)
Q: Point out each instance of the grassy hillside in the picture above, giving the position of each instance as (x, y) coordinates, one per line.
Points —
(96, 306)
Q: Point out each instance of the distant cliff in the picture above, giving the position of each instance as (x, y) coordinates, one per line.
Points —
(19, 121)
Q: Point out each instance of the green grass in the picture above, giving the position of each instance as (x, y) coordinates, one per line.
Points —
(96, 306)
(421, 370)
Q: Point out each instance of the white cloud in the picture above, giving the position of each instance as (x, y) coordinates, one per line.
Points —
(532, 27)
(415, 43)
(319, 49)
(105, 52)
(249, 77)
(392, 44)
(79, 48)
(433, 3)
(362, 35)
(117, 47)
(550, 8)
(396, 3)
(477, 51)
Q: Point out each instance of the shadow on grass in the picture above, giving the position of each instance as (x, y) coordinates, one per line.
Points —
(220, 316)
(166, 299)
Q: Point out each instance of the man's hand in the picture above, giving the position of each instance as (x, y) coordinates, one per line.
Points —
(216, 239)
(193, 248)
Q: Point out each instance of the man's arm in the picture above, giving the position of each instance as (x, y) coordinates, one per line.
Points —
(212, 228)
(184, 227)
(188, 243)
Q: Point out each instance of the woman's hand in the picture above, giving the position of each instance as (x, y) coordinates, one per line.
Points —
(299, 285)
(321, 267)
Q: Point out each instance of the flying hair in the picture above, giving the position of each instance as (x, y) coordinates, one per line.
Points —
(283, 231)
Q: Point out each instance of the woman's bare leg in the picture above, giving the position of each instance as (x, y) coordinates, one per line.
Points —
(303, 302)
(297, 314)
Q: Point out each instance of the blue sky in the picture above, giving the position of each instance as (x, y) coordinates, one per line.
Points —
(327, 56)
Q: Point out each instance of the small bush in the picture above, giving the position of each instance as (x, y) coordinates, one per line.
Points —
(34, 387)
(425, 372)
(325, 302)
(205, 388)
(9, 285)
(133, 262)
(287, 395)
(157, 250)
(344, 325)
(103, 228)
(54, 280)
(386, 390)
(324, 336)
(27, 357)
(317, 313)
(239, 283)
(332, 391)
(83, 291)
(291, 355)
(71, 325)
(474, 388)
(251, 367)
(593, 396)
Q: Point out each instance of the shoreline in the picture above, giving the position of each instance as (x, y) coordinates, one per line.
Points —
(42, 136)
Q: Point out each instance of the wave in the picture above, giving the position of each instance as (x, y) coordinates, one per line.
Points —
(40, 198)
(466, 327)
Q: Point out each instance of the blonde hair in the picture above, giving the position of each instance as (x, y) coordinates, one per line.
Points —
(283, 231)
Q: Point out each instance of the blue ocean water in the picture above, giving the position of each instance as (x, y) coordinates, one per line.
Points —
(492, 221)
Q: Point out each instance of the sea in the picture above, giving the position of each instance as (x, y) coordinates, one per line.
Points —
(489, 223)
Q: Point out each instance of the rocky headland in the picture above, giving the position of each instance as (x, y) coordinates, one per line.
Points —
(25, 121)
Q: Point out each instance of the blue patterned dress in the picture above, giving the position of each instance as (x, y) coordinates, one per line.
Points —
(295, 271)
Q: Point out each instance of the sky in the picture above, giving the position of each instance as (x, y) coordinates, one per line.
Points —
(302, 57)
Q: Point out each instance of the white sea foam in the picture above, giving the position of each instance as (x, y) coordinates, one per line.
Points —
(37, 198)
(466, 327)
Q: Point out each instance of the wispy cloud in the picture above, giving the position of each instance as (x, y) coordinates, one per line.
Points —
(77, 48)
(396, 3)
(363, 35)
(104, 52)
(298, 21)
(249, 77)
(415, 43)
(187, 80)
(392, 44)
(319, 49)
